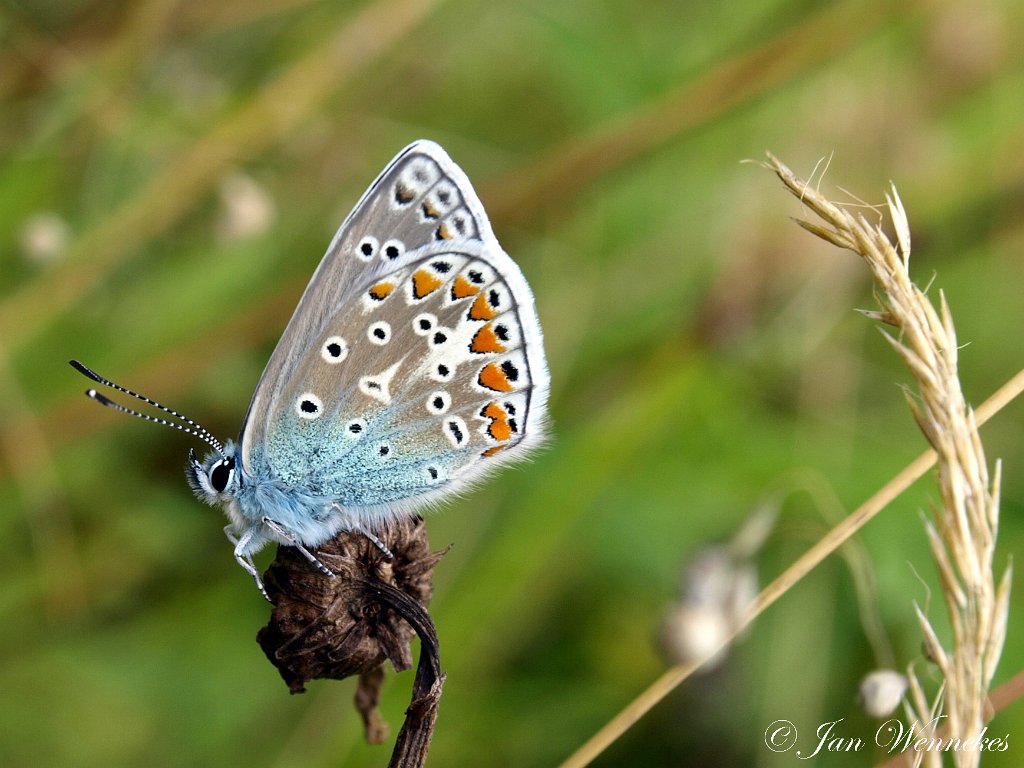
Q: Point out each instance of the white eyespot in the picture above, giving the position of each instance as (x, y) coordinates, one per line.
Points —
(498, 298)
(367, 248)
(355, 429)
(373, 386)
(384, 450)
(456, 432)
(433, 475)
(379, 386)
(439, 402)
(419, 176)
(459, 224)
(392, 249)
(442, 267)
(440, 335)
(424, 324)
(334, 350)
(440, 201)
(379, 333)
(442, 371)
(308, 406)
(515, 405)
(507, 334)
(478, 274)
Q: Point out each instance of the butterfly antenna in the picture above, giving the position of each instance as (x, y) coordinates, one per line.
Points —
(193, 427)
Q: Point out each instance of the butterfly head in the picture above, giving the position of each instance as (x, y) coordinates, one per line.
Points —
(217, 478)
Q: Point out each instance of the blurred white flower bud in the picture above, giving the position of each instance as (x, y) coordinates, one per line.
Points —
(717, 588)
(246, 208)
(44, 237)
(694, 632)
(716, 579)
(881, 692)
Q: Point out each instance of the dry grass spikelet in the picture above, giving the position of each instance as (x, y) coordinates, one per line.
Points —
(964, 524)
(962, 531)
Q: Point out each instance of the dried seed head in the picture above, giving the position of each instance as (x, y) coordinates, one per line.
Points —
(335, 627)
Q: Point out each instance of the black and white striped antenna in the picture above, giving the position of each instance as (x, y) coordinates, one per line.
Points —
(193, 428)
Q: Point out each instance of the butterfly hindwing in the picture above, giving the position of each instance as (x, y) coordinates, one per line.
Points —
(414, 361)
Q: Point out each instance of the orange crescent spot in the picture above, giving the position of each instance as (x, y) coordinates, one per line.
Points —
(500, 430)
(493, 411)
(499, 427)
(482, 309)
(492, 377)
(485, 340)
(403, 194)
(381, 291)
(430, 211)
(493, 450)
(462, 288)
(424, 283)
(443, 233)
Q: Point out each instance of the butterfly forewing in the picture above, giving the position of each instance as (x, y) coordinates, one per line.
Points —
(414, 360)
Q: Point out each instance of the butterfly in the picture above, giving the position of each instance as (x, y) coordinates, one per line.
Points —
(412, 367)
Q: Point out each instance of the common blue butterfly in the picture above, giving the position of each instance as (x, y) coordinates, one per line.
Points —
(413, 365)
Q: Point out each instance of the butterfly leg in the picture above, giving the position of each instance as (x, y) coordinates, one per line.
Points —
(293, 540)
(245, 559)
(352, 524)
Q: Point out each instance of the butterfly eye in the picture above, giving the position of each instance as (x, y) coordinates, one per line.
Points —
(220, 474)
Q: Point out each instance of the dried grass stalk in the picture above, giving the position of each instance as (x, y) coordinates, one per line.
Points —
(839, 231)
(963, 528)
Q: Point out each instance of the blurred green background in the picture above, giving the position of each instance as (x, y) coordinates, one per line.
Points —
(170, 174)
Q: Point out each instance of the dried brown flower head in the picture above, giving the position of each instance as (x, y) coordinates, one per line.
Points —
(353, 622)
